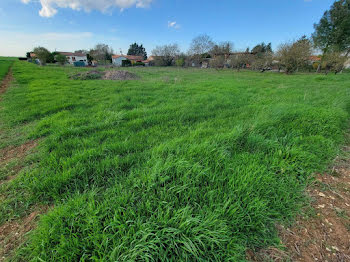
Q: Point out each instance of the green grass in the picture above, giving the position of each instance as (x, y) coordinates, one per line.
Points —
(182, 165)
(5, 64)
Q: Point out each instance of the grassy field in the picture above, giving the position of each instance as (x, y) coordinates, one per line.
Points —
(181, 165)
(5, 64)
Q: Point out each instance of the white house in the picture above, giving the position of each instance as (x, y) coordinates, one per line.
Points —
(118, 59)
(75, 57)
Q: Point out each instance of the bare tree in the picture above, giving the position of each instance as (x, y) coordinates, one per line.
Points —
(240, 60)
(217, 62)
(200, 48)
(294, 55)
(263, 61)
(102, 53)
(165, 55)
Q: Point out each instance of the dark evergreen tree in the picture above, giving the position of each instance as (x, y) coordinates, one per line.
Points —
(138, 50)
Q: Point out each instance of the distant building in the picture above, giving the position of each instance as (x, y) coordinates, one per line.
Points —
(149, 61)
(75, 57)
(117, 60)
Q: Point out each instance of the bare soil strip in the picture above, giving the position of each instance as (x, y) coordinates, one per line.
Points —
(13, 233)
(6, 82)
(323, 234)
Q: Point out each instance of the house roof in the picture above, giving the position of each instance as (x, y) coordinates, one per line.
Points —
(315, 58)
(71, 54)
(130, 57)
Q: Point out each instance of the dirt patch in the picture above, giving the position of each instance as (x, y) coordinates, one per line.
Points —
(322, 233)
(119, 75)
(107, 75)
(6, 82)
(9, 153)
(13, 233)
(90, 75)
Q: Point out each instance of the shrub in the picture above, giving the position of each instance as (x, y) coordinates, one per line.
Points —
(180, 62)
(61, 59)
(126, 63)
(139, 64)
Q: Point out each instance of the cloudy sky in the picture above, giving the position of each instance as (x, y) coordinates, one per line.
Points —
(69, 25)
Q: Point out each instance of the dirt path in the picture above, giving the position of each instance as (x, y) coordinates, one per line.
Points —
(325, 236)
(13, 233)
(322, 233)
(6, 82)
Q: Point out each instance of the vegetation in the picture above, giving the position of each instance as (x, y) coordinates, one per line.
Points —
(294, 55)
(137, 50)
(42, 54)
(182, 165)
(332, 33)
(102, 53)
(4, 67)
(61, 59)
(165, 55)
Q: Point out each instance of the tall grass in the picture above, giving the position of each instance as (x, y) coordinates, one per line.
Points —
(5, 64)
(182, 165)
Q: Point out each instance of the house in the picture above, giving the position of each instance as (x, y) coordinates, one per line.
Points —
(314, 59)
(75, 57)
(118, 59)
(149, 61)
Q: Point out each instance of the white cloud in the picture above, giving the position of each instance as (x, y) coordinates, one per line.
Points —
(173, 24)
(49, 7)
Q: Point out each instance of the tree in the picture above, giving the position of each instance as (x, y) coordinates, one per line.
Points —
(61, 59)
(295, 55)
(333, 61)
(220, 53)
(137, 50)
(102, 53)
(42, 54)
(262, 49)
(240, 60)
(332, 33)
(165, 55)
(217, 62)
(200, 48)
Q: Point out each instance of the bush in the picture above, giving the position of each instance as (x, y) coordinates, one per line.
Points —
(126, 63)
(139, 64)
(61, 59)
(180, 62)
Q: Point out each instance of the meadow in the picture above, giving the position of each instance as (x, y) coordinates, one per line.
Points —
(180, 165)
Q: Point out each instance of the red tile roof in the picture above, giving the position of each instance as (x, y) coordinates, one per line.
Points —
(315, 58)
(130, 57)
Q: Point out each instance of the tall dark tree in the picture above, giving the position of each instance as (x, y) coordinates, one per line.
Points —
(332, 33)
(262, 49)
(138, 50)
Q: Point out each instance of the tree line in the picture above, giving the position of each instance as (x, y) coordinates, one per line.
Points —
(331, 39)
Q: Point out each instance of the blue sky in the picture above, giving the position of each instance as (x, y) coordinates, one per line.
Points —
(69, 25)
